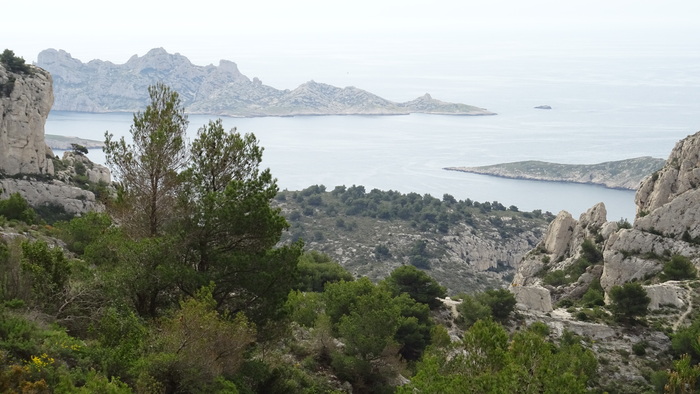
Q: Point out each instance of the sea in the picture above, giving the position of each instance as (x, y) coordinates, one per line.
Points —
(620, 100)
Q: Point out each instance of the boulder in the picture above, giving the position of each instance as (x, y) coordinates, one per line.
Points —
(533, 298)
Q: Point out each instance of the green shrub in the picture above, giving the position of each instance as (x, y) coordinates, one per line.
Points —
(629, 301)
(17, 208)
(640, 348)
(591, 252)
(14, 63)
(679, 268)
(556, 278)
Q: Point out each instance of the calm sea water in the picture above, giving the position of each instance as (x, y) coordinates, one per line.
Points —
(609, 103)
(407, 153)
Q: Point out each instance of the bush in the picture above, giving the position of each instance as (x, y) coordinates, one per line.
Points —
(555, 278)
(14, 63)
(629, 301)
(315, 269)
(17, 208)
(679, 268)
(640, 348)
(497, 304)
(591, 252)
(685, 341)
(417, 284)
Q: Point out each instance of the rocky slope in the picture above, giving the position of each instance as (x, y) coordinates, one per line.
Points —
(667, 224)
(477, 248)
(578, 258)
(622, 174)
(102, 86)
(25, 102)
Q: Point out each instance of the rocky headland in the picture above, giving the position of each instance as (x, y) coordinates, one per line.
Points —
(102, 86)
(621, 174)
(60, 142)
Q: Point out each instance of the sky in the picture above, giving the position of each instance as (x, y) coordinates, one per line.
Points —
(205, 30)
(287, 43)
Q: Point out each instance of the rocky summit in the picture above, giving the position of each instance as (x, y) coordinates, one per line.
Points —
(102, 86)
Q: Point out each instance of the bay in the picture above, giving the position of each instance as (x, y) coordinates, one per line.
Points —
(408, 153)
(615, 95)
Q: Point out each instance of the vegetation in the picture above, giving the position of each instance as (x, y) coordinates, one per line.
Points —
(78, 149)
(487, 360)
(417, 284)
(629, 301)
(198, 291)
(496, 304)
(373, 232)
(17, 208)
(14, 63)
(679, 268)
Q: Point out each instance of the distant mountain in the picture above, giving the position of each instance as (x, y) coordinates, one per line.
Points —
(102, 86)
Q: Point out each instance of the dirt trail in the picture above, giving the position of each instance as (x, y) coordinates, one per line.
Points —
(689, 299)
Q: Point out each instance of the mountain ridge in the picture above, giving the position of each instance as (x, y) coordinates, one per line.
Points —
(103, 86)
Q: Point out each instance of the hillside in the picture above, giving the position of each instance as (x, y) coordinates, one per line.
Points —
(621, 174)
(102, 86)
(202, 284)
(466, 246)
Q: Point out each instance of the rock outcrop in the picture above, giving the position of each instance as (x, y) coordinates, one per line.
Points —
(668, 224)
(26, 162)
(73, 200)
(25, 102)
(101, 86)
(78, 164)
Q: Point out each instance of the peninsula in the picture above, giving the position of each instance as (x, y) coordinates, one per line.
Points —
(60, 142)
(102, 86)
(621, 174)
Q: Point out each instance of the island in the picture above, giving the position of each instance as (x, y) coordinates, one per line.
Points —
(622, 174)
(102, 86)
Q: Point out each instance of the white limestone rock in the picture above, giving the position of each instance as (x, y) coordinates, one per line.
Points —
(559, 235)
(532, 298)
(23, 113)
(95, 172)
(74, 200)
(680, 174)
(666, 294)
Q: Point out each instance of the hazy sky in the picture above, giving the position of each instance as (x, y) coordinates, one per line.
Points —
(263, 36)
(90, 29)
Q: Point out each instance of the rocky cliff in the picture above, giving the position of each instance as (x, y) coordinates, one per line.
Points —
(26, 162)
(668, 224)
(25, 101)
(101, 86)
